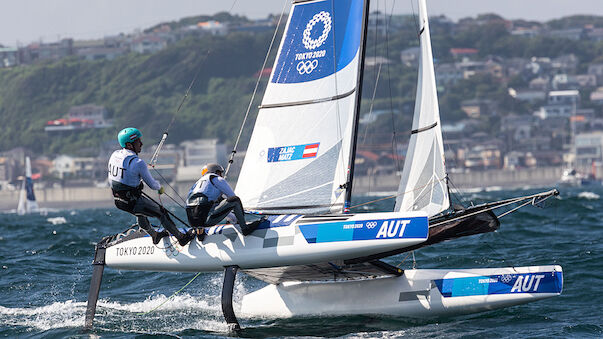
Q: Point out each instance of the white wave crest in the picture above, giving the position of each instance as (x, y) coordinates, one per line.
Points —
(589, 195)
(57, 220)
(192, 312)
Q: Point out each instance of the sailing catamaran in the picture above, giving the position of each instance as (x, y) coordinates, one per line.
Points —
(27, 199)
(298, 172)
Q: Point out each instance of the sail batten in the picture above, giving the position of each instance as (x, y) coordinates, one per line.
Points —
(423, 183)
(308, 102)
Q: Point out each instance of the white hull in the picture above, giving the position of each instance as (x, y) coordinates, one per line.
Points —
(420, 293)
(283, 240)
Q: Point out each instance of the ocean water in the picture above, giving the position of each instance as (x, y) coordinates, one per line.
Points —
(45, 270)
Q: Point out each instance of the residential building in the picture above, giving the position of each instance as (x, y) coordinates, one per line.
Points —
(478, 107)
(203, 151)
(589, 149)
(9, 57)
(148, 44)
(540, 83)
(67, 167)
(447, 74)
(464, 53)
(471, 68)
(97, 114)
(554, 111)
(42, 52)
(529, 95)
(596, 97)
(597, 71)
(8, 171)
(79, 118)
(167, 163)
(213, 27)
(569, 33)
(569, 97)
(100, 53)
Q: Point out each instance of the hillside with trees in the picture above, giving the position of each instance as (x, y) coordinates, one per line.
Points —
(145, 90)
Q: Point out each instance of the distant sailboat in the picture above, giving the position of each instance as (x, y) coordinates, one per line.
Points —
(27, 198)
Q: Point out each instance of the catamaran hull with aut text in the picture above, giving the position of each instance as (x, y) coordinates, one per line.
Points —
(418, 293)
(280, 240)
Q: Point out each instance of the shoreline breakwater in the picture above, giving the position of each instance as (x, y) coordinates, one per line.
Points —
(90, 197)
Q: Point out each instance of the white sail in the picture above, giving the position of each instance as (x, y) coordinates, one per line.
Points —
(423, 184)
(27, 198)
(299, 153)
(21, 209)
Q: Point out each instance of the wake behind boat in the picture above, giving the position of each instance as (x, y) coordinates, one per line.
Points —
(298, 174)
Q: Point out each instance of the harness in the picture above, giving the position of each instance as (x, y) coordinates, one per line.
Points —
(125, 196)
(199, 206)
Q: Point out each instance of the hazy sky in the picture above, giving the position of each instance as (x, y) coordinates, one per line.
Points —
(25, 21)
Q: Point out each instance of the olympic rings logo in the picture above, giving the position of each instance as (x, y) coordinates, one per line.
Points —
(310, 43)
(371, 224)
(306, 67)
(506, 278)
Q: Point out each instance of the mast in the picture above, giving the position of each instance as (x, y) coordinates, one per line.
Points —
(348, 184)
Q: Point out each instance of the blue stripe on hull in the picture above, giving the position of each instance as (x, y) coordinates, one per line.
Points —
(541, 282)
(397, 228)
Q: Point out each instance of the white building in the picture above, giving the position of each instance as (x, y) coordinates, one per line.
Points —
(67, 167)
(95, 113)
(202, 151)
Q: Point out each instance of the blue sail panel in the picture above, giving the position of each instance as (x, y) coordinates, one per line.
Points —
(29, 189)
(322, 39)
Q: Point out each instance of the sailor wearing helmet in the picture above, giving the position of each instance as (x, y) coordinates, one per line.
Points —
(126, 175)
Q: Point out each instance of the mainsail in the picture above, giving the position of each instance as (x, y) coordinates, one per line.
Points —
(300, 151)
(423, 184)
(27, 198)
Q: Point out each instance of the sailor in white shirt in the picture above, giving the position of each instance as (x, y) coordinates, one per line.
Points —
(126, 175)
(206, 205)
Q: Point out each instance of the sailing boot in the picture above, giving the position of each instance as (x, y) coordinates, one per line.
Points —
(143, 222)
(200, 233)
(183, 238)
(158, 236)
(252, 226)
(187, 237)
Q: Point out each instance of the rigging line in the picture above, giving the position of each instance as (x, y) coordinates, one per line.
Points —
(400, 194)
(173, 189)
(389, 82)
(514, 209)
(186, 94)
(498, 204)
(337, 114)
(456, 192)
(168, 211)
(370, 114)
(414, 16)
(401, 262)
(257, 83)
(171, 297)
(377, 75)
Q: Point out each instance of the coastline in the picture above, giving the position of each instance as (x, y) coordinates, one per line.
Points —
(95, 197)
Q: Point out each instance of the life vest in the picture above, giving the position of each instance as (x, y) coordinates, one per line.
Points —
(121, 169)
(206, 187)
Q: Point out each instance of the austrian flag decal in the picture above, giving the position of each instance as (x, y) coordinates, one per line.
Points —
(310, 151)
(287, 153)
